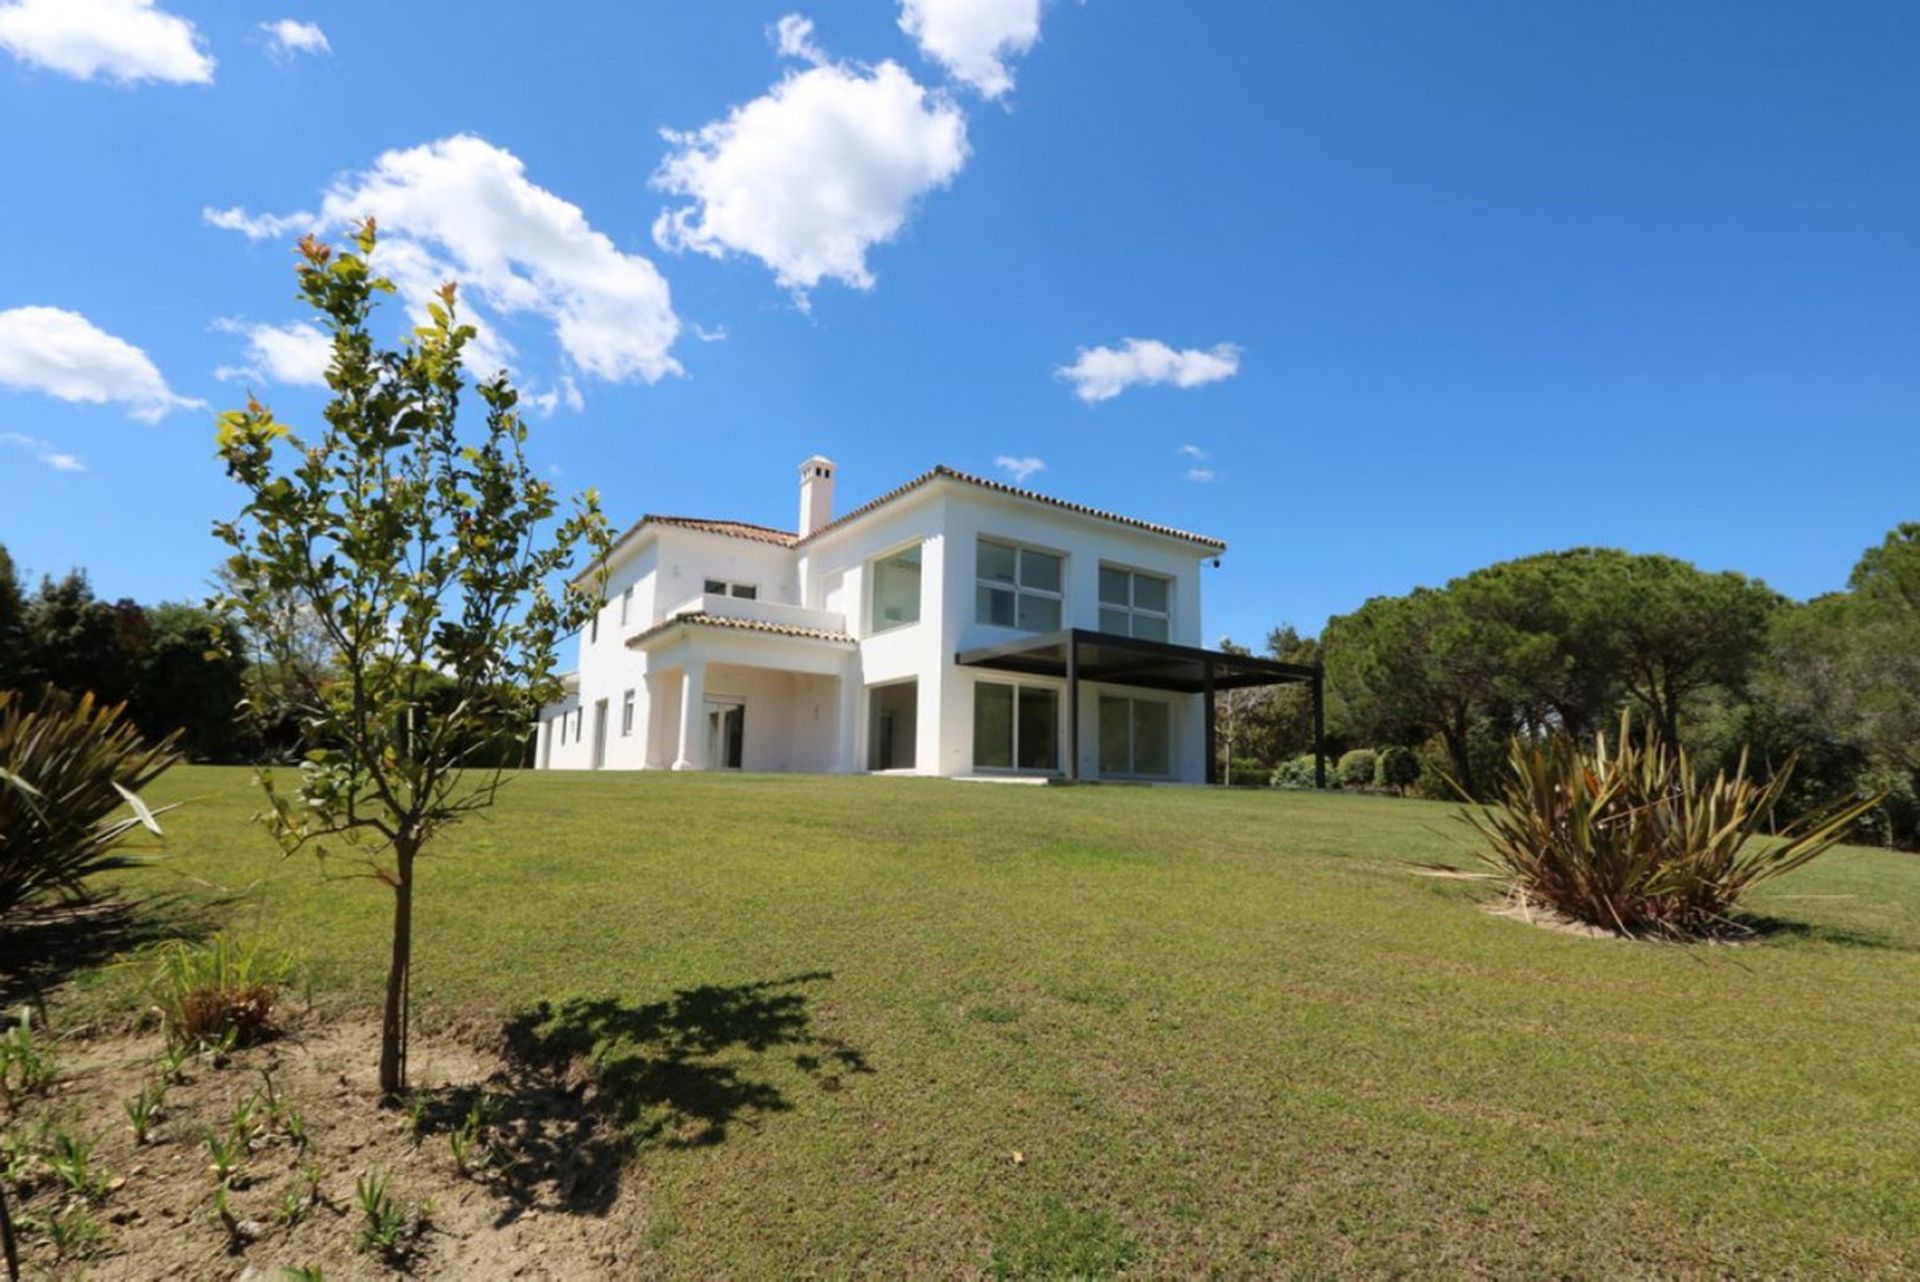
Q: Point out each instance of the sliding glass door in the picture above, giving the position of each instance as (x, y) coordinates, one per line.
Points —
(1016, 727)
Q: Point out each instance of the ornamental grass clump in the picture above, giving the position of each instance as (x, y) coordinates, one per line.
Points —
(220, 992)
(67, 767)
(1628, 838)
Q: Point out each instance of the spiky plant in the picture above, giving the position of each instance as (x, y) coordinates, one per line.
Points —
(66, 768)
(1628, 838)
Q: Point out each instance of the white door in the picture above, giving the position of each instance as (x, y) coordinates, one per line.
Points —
(726, 733)
(599, 734)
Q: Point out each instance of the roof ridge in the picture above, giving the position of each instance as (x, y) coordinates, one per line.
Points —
(939, 470)
(754, 531)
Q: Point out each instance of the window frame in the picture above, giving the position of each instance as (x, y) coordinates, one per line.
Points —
(874, 627)
(626, 714)
(626, 605)
(1129, 698)
(1132, 609)
(730, 588)
(1019, 689)
(1017, 586)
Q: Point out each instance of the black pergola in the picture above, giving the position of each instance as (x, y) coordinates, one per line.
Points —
(1077, 654)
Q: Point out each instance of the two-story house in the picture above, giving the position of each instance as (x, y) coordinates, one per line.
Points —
(953, 626)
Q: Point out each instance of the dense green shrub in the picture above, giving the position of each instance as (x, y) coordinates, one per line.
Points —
(1628, 838)
(1356, 768)
(1396, 769)
(66, 768)
(1298, 772)
(1435, 780)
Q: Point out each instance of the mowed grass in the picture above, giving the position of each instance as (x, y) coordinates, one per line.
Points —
(1224, 1031)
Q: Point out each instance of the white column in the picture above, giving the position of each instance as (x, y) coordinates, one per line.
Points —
(847, 723)
(693, 717)
(651, 733)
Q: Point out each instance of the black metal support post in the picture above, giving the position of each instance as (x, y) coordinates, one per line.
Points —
(1319, 727)
(1073, 708)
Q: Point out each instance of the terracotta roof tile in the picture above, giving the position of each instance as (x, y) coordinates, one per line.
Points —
(704, 620)
(787, 539)
(732, 529)
(1001, 487)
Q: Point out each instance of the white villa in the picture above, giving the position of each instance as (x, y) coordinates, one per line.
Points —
(954, 626)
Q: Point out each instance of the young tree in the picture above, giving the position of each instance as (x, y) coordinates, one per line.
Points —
(421, 550)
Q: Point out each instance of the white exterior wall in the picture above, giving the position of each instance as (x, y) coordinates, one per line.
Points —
(807, 701)
(1087, 543)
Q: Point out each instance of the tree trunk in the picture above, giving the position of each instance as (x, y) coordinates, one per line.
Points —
(6, 1240)
(1457, 736)
(393, 1022)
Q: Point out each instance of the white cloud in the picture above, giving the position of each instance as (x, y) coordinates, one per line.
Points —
(709, 334)
(809, 176)
(44, 452)
(287, 38)
(68, 357)
(1102, 373)
(973, 39)
(1019, 468)
(296, 354)
(567, 393)
(793, 37)
(124, 40)
(257, 226)
(1200, 475)
(1193, 452)
(463, 209)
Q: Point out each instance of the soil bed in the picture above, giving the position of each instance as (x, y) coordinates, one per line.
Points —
(537, 1200)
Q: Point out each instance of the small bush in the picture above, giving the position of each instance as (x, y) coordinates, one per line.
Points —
(1299, 773)
(1629, 839)
(220, 992)
(66, 768)
(1396, 769)
(1357, 767)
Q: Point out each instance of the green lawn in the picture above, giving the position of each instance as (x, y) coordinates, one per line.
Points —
(1226, 1031)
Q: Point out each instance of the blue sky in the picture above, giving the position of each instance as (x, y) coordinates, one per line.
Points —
(1450, 283)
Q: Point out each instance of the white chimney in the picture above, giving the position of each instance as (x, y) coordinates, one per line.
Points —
(816, 494)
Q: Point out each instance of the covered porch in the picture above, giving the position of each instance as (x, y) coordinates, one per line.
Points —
(1077, 655)
(720, 696)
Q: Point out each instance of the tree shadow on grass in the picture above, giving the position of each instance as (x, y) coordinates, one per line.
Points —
(591, 1081)
(43, 946)
(1765, 926)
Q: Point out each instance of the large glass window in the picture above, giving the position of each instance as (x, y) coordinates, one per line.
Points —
(1018, 587)
(896, 590)
(892, 720)
(1015, 727)
(1136, 737)
(1133, 604)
